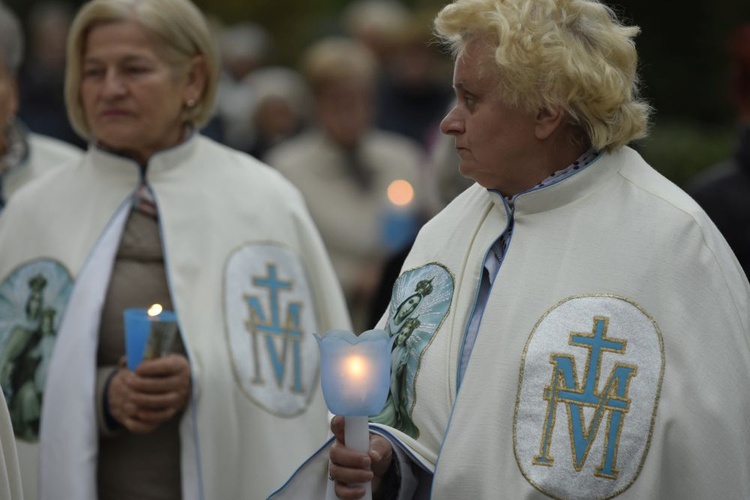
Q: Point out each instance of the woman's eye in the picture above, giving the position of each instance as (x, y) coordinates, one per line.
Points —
(92, 73)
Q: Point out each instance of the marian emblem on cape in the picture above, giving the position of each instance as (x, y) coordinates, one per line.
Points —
(270, 320)
(420, 301)
(587, 397)
(32, 300)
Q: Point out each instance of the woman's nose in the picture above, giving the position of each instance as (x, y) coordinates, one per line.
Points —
(113, 84)
(451, 124)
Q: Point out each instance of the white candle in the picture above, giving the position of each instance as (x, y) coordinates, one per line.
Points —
(355, 377)
(356, 428)
(357, 437)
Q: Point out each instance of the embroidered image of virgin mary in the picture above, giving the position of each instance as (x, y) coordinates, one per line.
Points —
(32, 299)
(420, 301)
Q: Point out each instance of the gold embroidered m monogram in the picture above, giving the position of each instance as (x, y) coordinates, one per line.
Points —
(612, 400)
(273, 330)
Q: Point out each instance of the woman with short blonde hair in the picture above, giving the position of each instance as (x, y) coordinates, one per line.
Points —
(156, 213)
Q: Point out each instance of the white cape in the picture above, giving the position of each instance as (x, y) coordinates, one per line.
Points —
(250, 282)
(612, 359)
(45, 155)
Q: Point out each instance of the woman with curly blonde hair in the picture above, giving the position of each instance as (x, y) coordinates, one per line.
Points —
(586, 334)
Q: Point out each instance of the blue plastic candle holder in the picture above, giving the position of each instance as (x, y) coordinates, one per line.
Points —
(138, 326)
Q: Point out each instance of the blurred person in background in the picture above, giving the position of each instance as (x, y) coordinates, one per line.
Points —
(155, 213)
(244, 48)
(24, 155)
(412, 91)
(282, 107)
(343, 165)
(42, 76)
(572, 325)
(413, 87)
(724, 190)
(376, 24)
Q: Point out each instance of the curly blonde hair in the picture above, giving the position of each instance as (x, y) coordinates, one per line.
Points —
(572, 54)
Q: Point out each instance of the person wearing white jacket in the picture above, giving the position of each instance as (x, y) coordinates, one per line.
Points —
(24, 155)
(156, 213)
(578, 328)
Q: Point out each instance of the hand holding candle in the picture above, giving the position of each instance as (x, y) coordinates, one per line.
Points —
(355, 377)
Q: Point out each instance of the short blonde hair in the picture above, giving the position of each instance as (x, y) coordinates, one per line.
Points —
(569, 53)
(177, 24)
(333, 59)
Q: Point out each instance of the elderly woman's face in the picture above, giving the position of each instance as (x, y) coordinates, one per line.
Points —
(8, 103)
(496, 142)
(132, 98)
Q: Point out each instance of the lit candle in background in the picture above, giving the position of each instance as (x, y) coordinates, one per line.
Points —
(399, 218)
(400, 193)
(355, 377)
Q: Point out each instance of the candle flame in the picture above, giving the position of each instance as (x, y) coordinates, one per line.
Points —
(154, 310)
(400, 192)
(356, 366)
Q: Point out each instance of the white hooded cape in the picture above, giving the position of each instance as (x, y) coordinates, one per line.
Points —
(612, 359)
(250, 283)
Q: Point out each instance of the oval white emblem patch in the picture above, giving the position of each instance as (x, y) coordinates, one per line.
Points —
(587, 397)
(270, 321)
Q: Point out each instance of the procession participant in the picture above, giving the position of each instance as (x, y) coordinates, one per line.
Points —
(24, 155)
(156, 213)
(344, 166)
(582, 328)
(723, 190)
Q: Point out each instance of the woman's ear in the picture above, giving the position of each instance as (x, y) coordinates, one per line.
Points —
(547, 121)
(196, 78)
